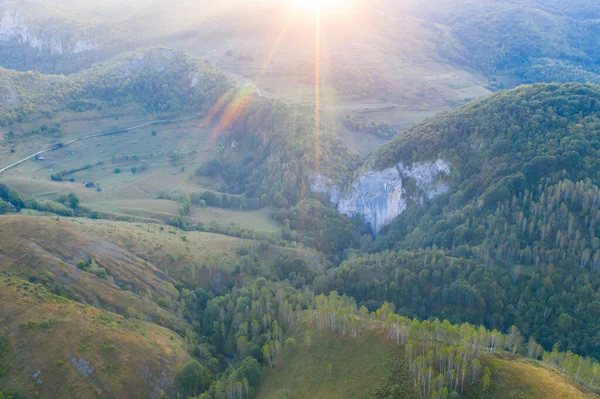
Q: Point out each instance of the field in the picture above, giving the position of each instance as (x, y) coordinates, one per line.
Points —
(58, 348)
(130, 170)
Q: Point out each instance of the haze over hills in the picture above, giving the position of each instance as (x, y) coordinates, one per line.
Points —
(299, 199)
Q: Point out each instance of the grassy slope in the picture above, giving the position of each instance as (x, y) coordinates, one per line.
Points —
(145, 256)
(360, 365)
(47, 249)
(130, 358)
(357, 366)
(523, 379)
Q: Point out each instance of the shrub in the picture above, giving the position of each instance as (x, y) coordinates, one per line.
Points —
(290, 345)
(82, 265)
(46, 324)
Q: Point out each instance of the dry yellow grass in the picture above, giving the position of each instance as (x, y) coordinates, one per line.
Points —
(358, 365)
(49, 335)
(144, 256)
(518, 378)
(47, 250)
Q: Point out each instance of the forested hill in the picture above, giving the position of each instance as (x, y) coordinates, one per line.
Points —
(534, 40)
(160, 80)
(530, 41)
(516, 239)
(529, 151)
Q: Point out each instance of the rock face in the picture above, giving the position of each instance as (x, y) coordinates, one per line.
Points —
(82, 366)
(380, 196)
(377, 197)
(13, 26)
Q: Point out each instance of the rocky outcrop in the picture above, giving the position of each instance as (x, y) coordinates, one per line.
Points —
(13, 26)
(82, 366)
(377, 197)
(380, 196)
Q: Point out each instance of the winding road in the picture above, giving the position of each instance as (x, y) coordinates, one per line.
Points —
(90, 136)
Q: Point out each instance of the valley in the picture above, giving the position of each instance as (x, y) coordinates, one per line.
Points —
(299, 199)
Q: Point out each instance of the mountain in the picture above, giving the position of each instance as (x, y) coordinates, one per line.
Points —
(532, 41)
(158, 79)
(505, 233)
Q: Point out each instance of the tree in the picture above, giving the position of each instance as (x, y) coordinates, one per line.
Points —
(250, 369)
(475, 370)
(329, 369)
(241, 344)
(15, 198)
(193, 378)
(214, 365)
(73, 201)
(5, 207)
(487, 378)
(83, 265)
(533, 349)
(564, 322)
(267, 354)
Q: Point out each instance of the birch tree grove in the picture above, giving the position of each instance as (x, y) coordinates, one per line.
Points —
(443, 359)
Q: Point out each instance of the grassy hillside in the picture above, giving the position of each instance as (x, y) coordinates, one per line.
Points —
(367, 367)
(521, 379)
(53, 347)
(143, 261)
(48, 251)
(357, 366)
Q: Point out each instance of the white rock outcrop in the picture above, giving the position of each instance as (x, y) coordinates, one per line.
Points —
(376, 196)
(13, 26)
(380, 196)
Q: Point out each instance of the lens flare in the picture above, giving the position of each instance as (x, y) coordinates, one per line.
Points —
(321, 4)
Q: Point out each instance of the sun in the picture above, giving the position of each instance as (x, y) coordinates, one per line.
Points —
(322, 4)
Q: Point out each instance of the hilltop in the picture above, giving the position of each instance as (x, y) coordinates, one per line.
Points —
(159, 80)
(368, 366)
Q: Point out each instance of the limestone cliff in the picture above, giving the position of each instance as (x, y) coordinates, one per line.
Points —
(380, 196)
(15, 27)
